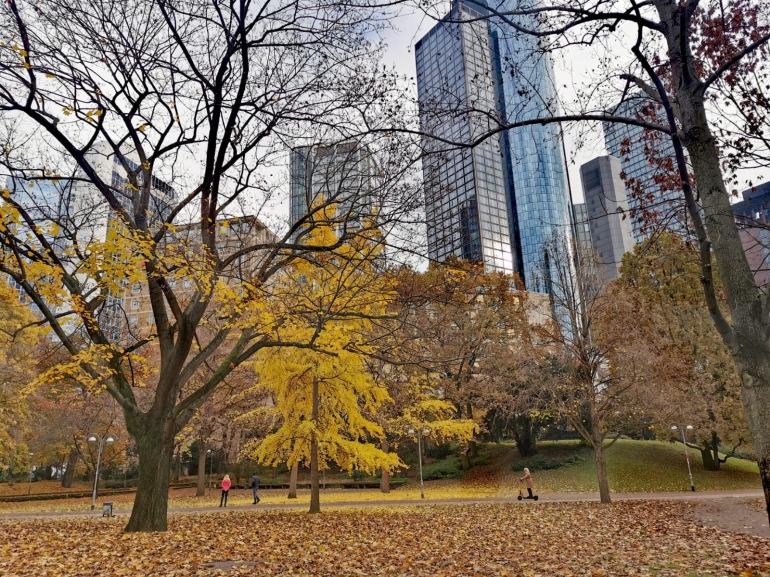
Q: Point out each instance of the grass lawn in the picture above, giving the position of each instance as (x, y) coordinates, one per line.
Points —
(523, 540)
(635, 466)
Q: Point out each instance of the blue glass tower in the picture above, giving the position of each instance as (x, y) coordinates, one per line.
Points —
(536, 169)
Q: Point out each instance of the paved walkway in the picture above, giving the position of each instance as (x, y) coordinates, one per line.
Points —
(704, 496)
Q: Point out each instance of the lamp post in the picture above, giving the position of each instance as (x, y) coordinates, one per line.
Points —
(106, 438)
(686, 452)
(211, 465)
(420, 432)
(31, 468)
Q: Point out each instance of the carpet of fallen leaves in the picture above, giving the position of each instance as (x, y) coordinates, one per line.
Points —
(523, 539)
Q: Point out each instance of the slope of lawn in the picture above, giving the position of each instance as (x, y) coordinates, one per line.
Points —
(642, 466)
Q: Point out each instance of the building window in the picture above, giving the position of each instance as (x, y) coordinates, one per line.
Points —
(136, 289)
(134, 305)
(133, 320)
(187, 284)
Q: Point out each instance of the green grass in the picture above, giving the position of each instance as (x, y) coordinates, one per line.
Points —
(641, 466)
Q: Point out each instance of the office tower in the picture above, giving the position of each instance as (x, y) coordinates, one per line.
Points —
(753, 217)
(466, 200)
(654, 204)
(607, 212)
(501, 200)
(536, 169)
(345, 174)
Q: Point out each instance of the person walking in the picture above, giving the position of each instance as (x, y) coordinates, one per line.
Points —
(527, 479)
(225, 490)
(255, 487)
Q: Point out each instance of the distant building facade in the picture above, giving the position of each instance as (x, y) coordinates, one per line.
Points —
(658, 203)
(753, 217)
(606, 212)
(345, 174)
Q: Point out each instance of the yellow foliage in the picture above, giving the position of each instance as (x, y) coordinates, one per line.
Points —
(326, 306)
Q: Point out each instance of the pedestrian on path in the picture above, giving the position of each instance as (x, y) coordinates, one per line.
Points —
(255, 487)
(527, 479)
(225, 490)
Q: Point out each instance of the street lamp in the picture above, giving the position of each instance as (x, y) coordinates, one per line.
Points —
(31, 468)
(420, 432)
(211, 465)
(92, 438)
(686, 452)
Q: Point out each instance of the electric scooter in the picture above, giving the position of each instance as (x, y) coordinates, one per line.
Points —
(521, 493)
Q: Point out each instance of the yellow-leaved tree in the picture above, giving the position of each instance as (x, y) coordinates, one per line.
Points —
(19, 337)
(335, 302)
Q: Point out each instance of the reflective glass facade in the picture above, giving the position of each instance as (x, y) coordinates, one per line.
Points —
(342, 173)
(466, 198)
(471, 74)
(665, 208)
(537, 171)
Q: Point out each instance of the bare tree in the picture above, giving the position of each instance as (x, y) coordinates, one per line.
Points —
(121, 121)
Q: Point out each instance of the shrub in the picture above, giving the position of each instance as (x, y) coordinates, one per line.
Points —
(452, 469)
(438, 452)
(543, 463)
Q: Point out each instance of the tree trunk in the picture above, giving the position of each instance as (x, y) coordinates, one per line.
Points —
(601, 465)
(293, 481)
(708, 460)
(465, 460)
(385, 485)
(473, 448)
(746, 333)
(69, 473)
(150, 511)
(715, 449)
(201, 469)
(315, 490)
(522, 434)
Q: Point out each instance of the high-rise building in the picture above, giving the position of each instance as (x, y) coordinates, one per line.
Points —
(536, 169)
(753, 217)
(345, 174)
(646, 164)
(607, 212)
(466, 199)
(500, 200)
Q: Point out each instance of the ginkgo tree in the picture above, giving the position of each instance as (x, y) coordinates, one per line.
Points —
(324, 392)
(19, 342)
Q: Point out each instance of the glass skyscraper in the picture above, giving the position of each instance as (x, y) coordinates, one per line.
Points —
(653, 202)
(342, 173)
(474, 73)
(465, 188)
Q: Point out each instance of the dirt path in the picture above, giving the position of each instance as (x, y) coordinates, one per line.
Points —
(736, 515)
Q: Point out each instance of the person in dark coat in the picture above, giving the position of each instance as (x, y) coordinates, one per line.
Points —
(255, 487)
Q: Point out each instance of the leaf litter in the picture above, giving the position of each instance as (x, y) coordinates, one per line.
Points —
(564, 539)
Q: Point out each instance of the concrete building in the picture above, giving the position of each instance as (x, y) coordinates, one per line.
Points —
(606, 209)
(499, 201)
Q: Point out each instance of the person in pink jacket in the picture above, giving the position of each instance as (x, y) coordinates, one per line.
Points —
(225, 490)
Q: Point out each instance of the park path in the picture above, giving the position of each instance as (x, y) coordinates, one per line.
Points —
(721, 501)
